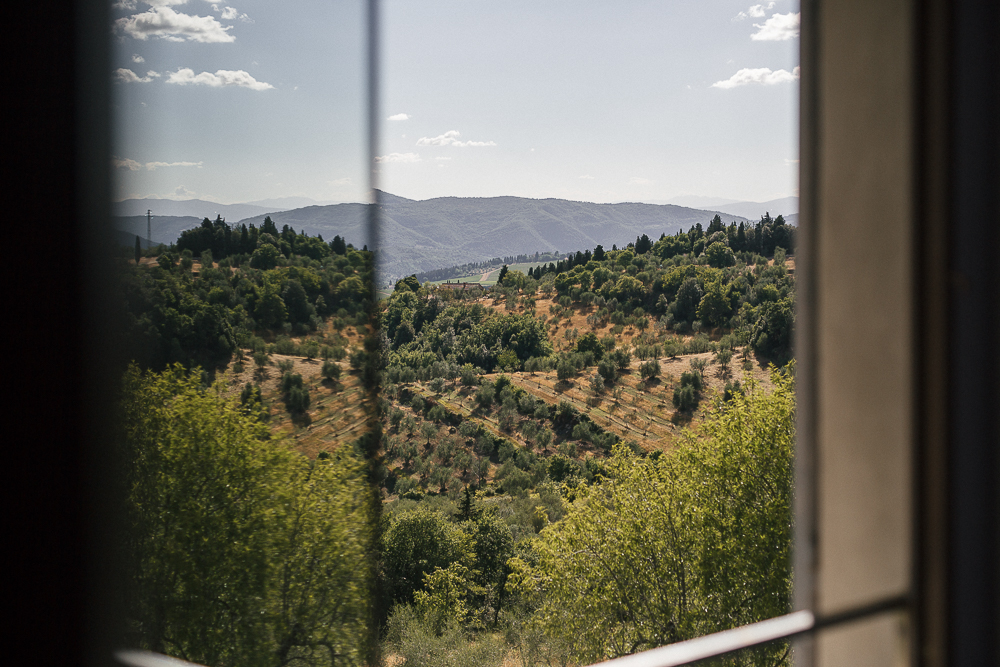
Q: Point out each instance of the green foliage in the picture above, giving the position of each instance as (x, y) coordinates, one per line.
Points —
(414, 639)
(331, 370)
(710, 523)
(415, 544)
(649, 369)
(687, 393)
(243, 552)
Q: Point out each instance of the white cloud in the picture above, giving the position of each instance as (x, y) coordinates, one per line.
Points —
(756, 11)
(450, 138)
(778, 28)
(123, 75)
(761, 75)
(172, 26)
(136, 58)
(131, 165)
(587, 177)
(399, 116)
(399, 157)
(231, 14)
(181, 191)
(341, 182)
(124, 4)
(637, 180)
(222, 77)
(153, 166)
(163, 3)
(442, 159)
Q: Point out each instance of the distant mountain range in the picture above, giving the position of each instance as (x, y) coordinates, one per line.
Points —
(166, 228)
(785, 206)
(752, 210)
(421, 235)
(418, 236)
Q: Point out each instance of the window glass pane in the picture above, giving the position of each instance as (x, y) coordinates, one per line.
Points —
(588, 257)
(241, 203)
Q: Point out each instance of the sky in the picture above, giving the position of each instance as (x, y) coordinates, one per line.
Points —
(637, 100)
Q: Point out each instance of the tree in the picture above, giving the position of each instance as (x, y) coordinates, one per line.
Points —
(415, 544)
(649, 369)
(502, 275)
(331, 371)
(723, 357)
(429, 431)
(138, 250)
(719, 255)
(688, 297)
(710, 522)
(270, 310)
(265, 257)
(210, 499)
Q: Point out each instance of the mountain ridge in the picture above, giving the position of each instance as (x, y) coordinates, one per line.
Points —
(429, 234)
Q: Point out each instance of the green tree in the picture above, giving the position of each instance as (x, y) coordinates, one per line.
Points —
(265, 257)
(243, 551)
(270, 309)
(416, 543)
(710, 524)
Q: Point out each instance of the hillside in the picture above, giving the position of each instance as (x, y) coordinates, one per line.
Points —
(165, 228)
(421, 235)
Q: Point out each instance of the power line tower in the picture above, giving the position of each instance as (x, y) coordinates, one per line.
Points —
(149, 227)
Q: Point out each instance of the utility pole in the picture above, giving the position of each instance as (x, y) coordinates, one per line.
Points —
(149, 228)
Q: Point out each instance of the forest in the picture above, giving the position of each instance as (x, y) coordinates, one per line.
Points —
(590, 461)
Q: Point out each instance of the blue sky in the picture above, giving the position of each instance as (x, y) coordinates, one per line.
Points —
(594, 101)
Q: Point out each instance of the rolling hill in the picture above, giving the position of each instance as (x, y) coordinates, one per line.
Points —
(420, 235)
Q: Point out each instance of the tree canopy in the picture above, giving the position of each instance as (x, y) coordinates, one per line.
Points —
(243, 551)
